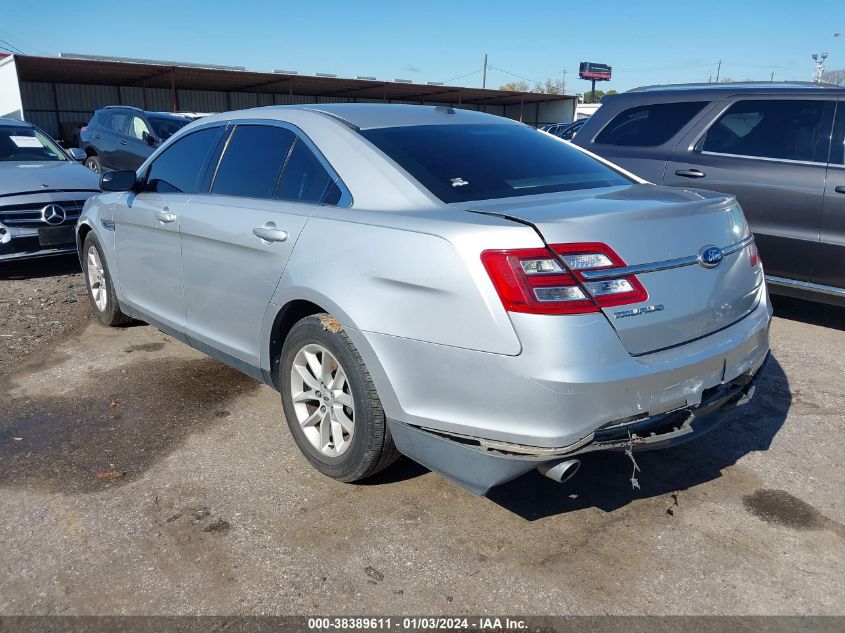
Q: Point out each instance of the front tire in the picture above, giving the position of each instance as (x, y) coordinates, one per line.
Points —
(100, 287)
(331, 404)
(93, 163)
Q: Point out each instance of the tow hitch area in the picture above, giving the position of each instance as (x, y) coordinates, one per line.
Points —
(478, 465)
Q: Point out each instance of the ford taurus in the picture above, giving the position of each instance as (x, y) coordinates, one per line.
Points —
(453, 286)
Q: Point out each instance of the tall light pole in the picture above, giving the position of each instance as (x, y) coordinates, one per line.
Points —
(484, 76)
(819, 72)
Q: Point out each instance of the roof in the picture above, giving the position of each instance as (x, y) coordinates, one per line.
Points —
(378, 115)
(153, 74)
(14, 122)
(744, 86)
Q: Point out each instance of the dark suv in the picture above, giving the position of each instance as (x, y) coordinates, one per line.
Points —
(121, 137)
(777, 147)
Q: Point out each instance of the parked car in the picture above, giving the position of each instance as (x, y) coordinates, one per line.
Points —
(122, 137)
(777, 147)
(447, 284)
(42, 190)
(566, 131)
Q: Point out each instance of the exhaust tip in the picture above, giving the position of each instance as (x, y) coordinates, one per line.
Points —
(560, 471)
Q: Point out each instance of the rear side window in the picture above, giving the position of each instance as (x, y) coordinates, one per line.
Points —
(304, 178)
(118, 122)
(460, 162)
(649, 125)
(179, 168)
(252, 161)
(785, 129)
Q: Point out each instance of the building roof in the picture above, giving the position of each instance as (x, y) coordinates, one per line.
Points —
(157, 74)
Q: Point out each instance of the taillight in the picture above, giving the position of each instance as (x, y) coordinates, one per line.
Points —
(532, 280)
(753, 255)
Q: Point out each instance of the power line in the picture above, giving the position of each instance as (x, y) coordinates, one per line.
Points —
(462, 76)
(11, 47)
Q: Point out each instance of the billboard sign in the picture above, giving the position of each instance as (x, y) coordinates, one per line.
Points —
(591, 70)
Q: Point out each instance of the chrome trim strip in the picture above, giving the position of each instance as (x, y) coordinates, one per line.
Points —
(638, 269)
(806, 285)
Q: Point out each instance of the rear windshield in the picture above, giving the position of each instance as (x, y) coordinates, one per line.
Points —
(165, 127)
(458, 163)
(21, 144)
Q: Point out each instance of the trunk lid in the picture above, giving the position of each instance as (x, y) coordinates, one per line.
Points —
(645, 225)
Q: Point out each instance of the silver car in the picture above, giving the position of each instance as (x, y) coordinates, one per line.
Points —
(453, 286)
(42, 191)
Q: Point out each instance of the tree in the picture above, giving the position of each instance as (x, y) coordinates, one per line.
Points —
(835, 77)
(588, 95)
(515, 86)
(550, 87)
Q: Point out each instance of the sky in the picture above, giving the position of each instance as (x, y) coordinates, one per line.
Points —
(646, 42)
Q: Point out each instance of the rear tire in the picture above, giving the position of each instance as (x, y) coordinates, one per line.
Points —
(93, 163)
(330, 402)
(100, 287)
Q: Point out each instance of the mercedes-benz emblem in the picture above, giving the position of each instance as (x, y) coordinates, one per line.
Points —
(53, 214)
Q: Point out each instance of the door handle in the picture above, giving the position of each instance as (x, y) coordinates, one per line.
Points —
(124, 142)
(269, 233)
(97, 136)
(840, 189)
(690, 173)
(165, 216)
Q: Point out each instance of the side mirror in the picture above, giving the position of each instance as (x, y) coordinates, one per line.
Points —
(125, 180)
(150, 139)
(77, 154)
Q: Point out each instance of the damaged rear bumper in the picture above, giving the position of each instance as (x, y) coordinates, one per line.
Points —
(478, 464)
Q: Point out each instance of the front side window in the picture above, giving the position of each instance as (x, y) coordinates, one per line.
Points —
(180, 167)
(649, 125)
(252, 161)
(784, 129)
(459, 163)
(137, 128)
(304, 178)
(837, 149)
(19, 143)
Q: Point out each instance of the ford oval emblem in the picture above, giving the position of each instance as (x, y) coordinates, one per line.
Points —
(710, 256)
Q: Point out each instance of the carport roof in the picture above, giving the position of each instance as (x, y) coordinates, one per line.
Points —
(155, 74)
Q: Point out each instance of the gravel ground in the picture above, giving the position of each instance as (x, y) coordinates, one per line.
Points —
(138, 476)
(40, 301)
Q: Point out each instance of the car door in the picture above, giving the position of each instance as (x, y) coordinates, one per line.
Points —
(147, 240)
(641, 138)
(133, 148)
(829, 269)
(771, 153)
(107, 140)
(236, 239)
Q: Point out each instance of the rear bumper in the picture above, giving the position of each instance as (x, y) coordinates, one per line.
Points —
(479, 466)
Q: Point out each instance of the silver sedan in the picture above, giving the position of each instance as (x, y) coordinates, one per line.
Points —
(453, 286)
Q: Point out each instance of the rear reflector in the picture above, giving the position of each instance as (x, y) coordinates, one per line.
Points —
(532, 280)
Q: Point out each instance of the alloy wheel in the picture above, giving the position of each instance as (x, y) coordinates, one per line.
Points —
(322, 400)
(97, 279)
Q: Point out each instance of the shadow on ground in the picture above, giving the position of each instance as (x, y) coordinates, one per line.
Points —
(604, 478)
(41, 267)
(810, 312)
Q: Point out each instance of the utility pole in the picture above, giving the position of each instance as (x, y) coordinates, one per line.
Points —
(718, 70)
(819, 72)
(563, 88)
(772, 78)
(484, 76)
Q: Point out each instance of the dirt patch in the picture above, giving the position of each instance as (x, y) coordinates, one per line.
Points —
(41, 302)
(781, 508)
(144, 347)
(121, 422)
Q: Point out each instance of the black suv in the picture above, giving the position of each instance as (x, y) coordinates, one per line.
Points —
(121, 137)
(779, 148)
